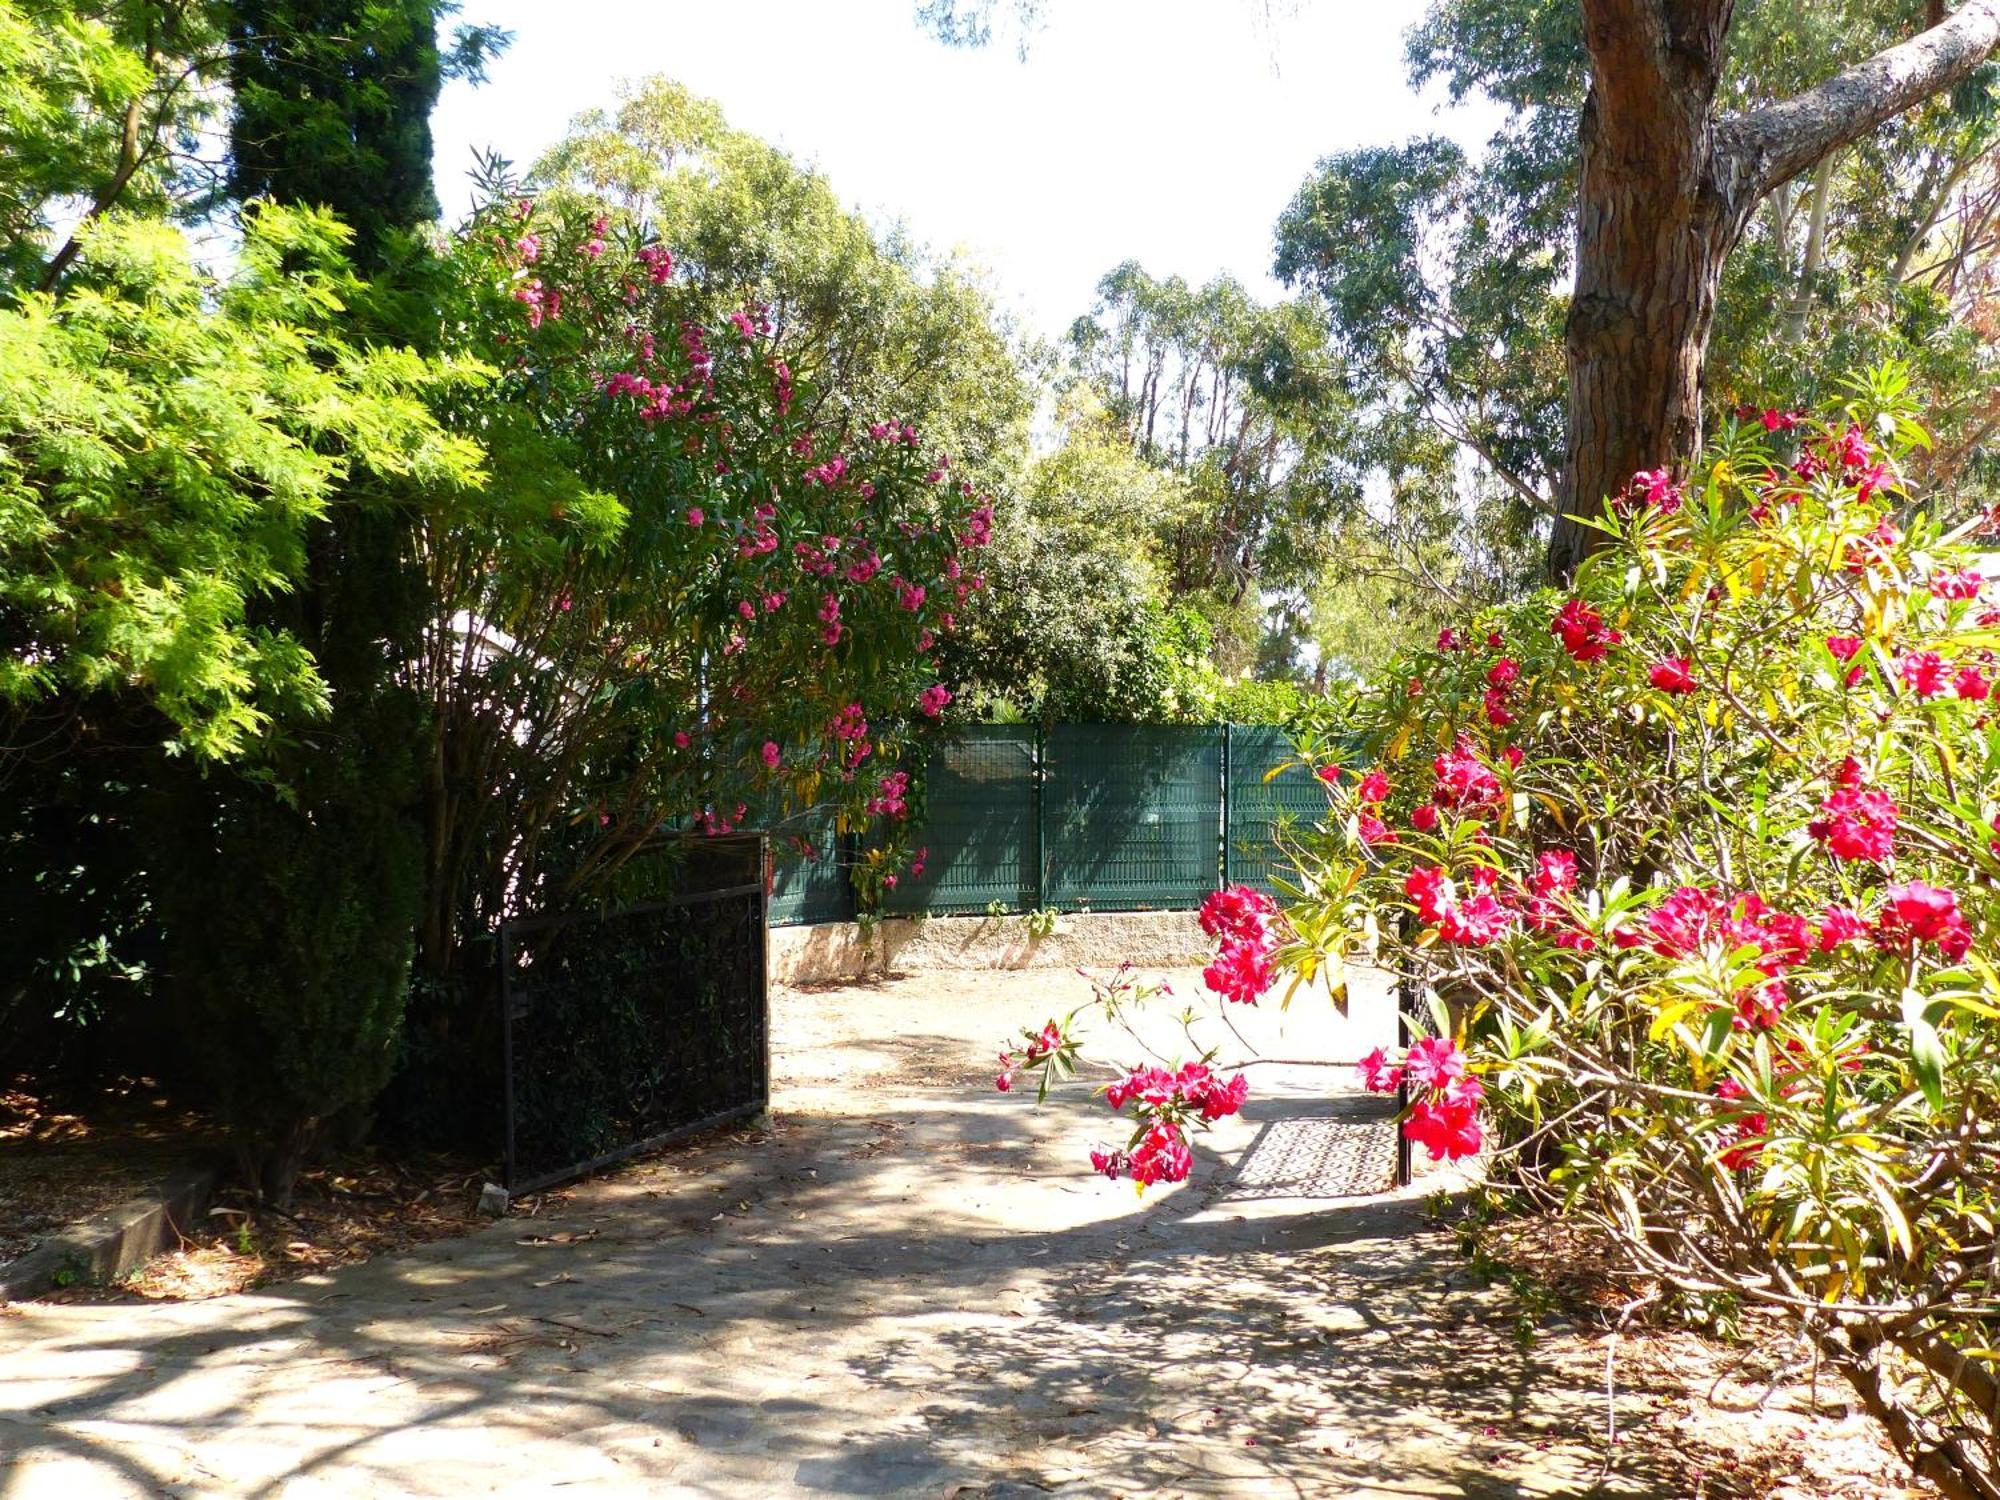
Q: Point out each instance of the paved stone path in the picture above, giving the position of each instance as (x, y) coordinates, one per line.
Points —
(890, 1290)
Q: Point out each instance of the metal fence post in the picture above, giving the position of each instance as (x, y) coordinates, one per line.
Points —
(1228, 735)
(1039, 791)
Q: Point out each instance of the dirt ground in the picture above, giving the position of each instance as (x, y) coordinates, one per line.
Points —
(906, 1284)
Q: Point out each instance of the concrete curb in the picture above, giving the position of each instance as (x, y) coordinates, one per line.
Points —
(109, 1244)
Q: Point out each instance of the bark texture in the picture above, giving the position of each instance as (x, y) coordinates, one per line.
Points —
(1666, 189)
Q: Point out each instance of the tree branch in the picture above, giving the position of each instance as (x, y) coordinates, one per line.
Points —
(1772, 145)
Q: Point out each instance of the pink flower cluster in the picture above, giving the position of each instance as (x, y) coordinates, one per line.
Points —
(889, 801)
(1167, 1102)
(1196, 1089)
(1162, 1155)
(1582, 631)
(1464, 781)
(1475, 918)
(1038, 1048)
(1919, 913)
(1240, 919)
(1491, 903)
(1856, 822)
(1444, 1118)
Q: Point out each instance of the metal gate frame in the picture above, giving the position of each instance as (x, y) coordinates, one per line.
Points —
(747, 1109)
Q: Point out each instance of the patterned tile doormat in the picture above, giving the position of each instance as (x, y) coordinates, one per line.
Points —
(1350, 1154)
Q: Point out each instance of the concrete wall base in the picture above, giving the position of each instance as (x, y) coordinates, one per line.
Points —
(1087, 940)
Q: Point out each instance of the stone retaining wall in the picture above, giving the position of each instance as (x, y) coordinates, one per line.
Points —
(1090, 940)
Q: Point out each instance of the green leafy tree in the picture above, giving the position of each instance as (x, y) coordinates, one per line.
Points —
(1242, 404)
(167, 441)
(101, 107)
(869, 320)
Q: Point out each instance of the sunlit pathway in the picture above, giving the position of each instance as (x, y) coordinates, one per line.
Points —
(893, 1290)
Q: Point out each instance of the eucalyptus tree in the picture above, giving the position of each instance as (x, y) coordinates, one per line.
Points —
(1244, 404)
(1647, 142)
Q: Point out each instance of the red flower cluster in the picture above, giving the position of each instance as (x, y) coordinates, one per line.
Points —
(1464, 781)
(1745, 1132)
(1656, 487)
(1919, 913)
(1856, 822)
(1196, 1090)
(1240, 919)
(1162, 1155)
(1445, 1120)
(1475, 919)
(1582, 631)
(1039, 1047)
(1674, 675)
(1690, 919)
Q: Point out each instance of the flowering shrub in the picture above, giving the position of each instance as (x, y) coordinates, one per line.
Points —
(1696, 862)
(690, 597)
(1167, 1105)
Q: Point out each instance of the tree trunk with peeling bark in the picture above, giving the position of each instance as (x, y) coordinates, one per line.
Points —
(1666, 189)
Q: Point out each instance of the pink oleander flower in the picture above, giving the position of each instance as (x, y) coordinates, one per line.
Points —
(1463, 780)
(1582, 632)
(1503, 673)
(1837, 925)
(1241, 972)
(1374, 787)
(1377, 1076)
(1371, 830)
(1923, 673)
(696, 515)
(1918, 913)
(1238, 914)
(1329, 774)
(1744, 1132)
(1856, 823)
(1674, 675)
(1656, 487)
(1964, 584)
(1449, 1128)
(1424, 817)
(1972, 685)
(1846, 648)
(1555, 872)
(934, 699)
(1434, 1062)
(772, 755)
(1163, 1156)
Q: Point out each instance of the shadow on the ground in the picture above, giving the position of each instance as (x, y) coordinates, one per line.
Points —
(806, 1308)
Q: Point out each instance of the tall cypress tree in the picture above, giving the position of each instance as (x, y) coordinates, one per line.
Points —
(333, 102)
(295, 984)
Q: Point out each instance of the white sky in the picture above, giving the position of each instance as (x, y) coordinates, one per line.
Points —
(1168, 131)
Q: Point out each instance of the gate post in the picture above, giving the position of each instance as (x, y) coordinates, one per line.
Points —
(1038, 784)
(1228, 737)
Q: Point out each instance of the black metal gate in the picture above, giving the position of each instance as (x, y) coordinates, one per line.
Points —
(623, 1030)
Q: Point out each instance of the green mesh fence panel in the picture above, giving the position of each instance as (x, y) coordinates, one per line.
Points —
(1258, 808)
(809, 889)
(1131, 815)
(979, 826)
